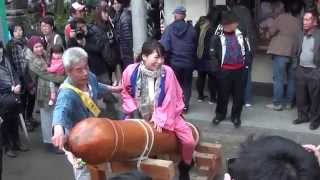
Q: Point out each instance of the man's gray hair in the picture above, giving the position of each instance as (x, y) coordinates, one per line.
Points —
(74, 56)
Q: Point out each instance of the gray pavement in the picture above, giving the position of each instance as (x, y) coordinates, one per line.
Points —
(38, 164)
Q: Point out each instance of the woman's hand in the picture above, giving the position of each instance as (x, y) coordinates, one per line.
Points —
(314, 149)
(115, 89)
(156, 126)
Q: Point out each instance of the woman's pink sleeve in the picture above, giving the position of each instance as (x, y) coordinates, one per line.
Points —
(128, 102)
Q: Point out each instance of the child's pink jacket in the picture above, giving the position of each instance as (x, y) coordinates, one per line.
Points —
(56, 67)
(168, 115)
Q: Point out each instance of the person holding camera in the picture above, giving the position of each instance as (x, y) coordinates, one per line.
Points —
(77, 10)
(92, 39)
(10, 89)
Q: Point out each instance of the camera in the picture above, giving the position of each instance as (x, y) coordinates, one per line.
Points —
(78, 31)
(79, 34)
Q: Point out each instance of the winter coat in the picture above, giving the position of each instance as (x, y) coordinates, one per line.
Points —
(218, 49)
(38, 71)
(246, 24)
(16, 50)
(8, 77)
(111, 50)
(169, 114)
(284, 31)
(123, 24)
(180, 41)
(95, 42)
(54, 39)
(204, 32)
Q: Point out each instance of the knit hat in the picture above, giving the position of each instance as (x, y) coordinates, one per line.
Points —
(78, 6)
(180, 10)
(228, 17)
(33, 41)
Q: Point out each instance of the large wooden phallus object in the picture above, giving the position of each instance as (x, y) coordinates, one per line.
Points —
(100, 140)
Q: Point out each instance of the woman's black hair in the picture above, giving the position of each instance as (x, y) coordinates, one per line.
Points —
(149, 47)
(124, 3)
(13, 26)
(98, 17)
(56, 49)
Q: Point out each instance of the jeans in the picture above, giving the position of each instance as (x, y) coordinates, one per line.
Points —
(282, 67)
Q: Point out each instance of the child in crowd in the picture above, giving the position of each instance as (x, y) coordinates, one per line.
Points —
(56, 67)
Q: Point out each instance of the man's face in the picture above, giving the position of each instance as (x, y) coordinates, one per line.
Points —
(230, 27)
(309, 22)
(83, 28)
(79, 73)
(179, 16)
(46, 29)
(79, 14)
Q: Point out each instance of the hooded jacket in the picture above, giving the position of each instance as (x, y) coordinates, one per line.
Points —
(180, 41)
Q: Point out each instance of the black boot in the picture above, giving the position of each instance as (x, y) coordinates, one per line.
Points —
(184, 170)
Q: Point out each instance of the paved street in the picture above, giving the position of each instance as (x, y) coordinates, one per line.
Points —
(38, 164)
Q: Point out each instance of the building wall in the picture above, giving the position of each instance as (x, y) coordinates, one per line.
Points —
(195, 9)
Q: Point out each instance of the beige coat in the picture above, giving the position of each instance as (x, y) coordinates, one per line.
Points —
(284, 32)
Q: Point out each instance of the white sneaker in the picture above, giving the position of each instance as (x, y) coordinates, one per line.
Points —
(248, 105)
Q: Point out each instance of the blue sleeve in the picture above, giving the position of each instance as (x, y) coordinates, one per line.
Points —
(102, 90)
(165, 40)
(62, 113)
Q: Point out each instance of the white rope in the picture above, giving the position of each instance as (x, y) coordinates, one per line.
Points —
(116, 139)
(152, 138)
(141, 157)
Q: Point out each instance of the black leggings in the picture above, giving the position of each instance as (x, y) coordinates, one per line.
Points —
(10, 107)
(212, 84)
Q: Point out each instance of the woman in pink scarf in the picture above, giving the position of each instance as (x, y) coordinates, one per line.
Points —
(152, 92)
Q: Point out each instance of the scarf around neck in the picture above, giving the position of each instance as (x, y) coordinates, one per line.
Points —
(145, 104)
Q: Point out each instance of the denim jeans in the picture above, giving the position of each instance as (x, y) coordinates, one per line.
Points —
(283, 67)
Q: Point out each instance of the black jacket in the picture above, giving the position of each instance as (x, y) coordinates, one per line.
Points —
(123, 22)
(95, 41)
(215, 52)
(8, 77)
(111, 50)
(316, 36)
